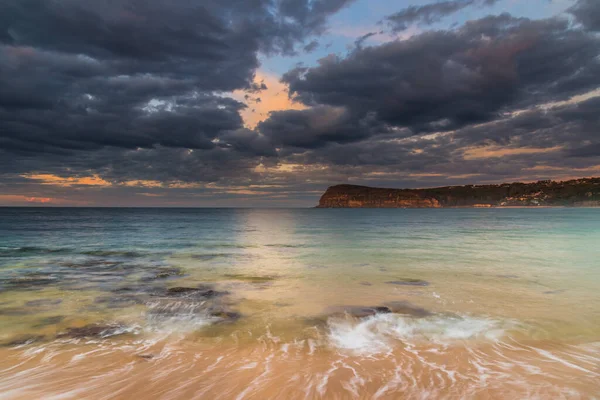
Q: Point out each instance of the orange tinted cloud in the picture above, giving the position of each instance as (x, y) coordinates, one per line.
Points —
(95, 180)
(274, 98)
(158, 184)
(51, 179)
(17, 198)
(425, 175)
(496, 151)
(143, 183)
(39, 199)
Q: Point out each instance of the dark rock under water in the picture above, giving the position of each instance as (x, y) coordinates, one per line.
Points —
(408, 282)
(392, 307)
(93, 331)
(24, 340)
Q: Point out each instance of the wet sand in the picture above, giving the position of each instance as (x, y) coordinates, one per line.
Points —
(241, 366)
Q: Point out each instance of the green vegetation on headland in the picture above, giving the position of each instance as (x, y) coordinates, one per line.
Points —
(584, 192)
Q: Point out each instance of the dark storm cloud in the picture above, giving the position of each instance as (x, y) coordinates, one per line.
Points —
(528, 136)
(445, 80)
(118, 120)
(359, 42)
(587, 13)
(248, 141)
(563, 136)
(312, 46)
(135, 91)
(590, 150)
(429, 14)
(79, 75)
(161, 30)
(571, 128)
(158, 164)
(317, 126)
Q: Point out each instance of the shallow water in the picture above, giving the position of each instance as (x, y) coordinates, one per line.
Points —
(221, 303)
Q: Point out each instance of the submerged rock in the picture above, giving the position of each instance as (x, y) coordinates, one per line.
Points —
(188, 314)
(408, 282)
(181, 290)
(189, 308)
(166, 308)
(554, 291)
(251, 278)
(43, 303)
(140, 289)
(125, 289)
(395, 307)
(404, 307)
(114, 253)
(165, 273)
(93, 264)
(93, 331)
(226, 316)
(15, 311)
(119, 301)
(49, 321)
(25, 340)
(197, 292)
(382, 310)
(357, 311)
(29, 282)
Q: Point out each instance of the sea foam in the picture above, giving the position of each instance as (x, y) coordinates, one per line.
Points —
(377, 333)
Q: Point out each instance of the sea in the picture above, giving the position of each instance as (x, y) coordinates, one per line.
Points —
(124, 303)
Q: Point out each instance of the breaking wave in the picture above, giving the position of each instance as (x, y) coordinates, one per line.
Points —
(377, 333)
(168, 317)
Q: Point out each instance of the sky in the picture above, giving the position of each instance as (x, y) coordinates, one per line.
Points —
(266, 103)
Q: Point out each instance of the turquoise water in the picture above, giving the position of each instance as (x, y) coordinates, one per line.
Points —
(474, 275)
(515, 255)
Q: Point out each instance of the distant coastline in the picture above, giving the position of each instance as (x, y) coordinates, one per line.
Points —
(584, 192)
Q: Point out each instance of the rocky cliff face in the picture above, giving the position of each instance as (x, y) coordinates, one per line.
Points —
(578, 192)
(350, 196)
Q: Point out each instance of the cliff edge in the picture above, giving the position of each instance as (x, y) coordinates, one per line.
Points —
(584, 192)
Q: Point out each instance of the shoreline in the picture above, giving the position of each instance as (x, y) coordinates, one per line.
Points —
(269, 367)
